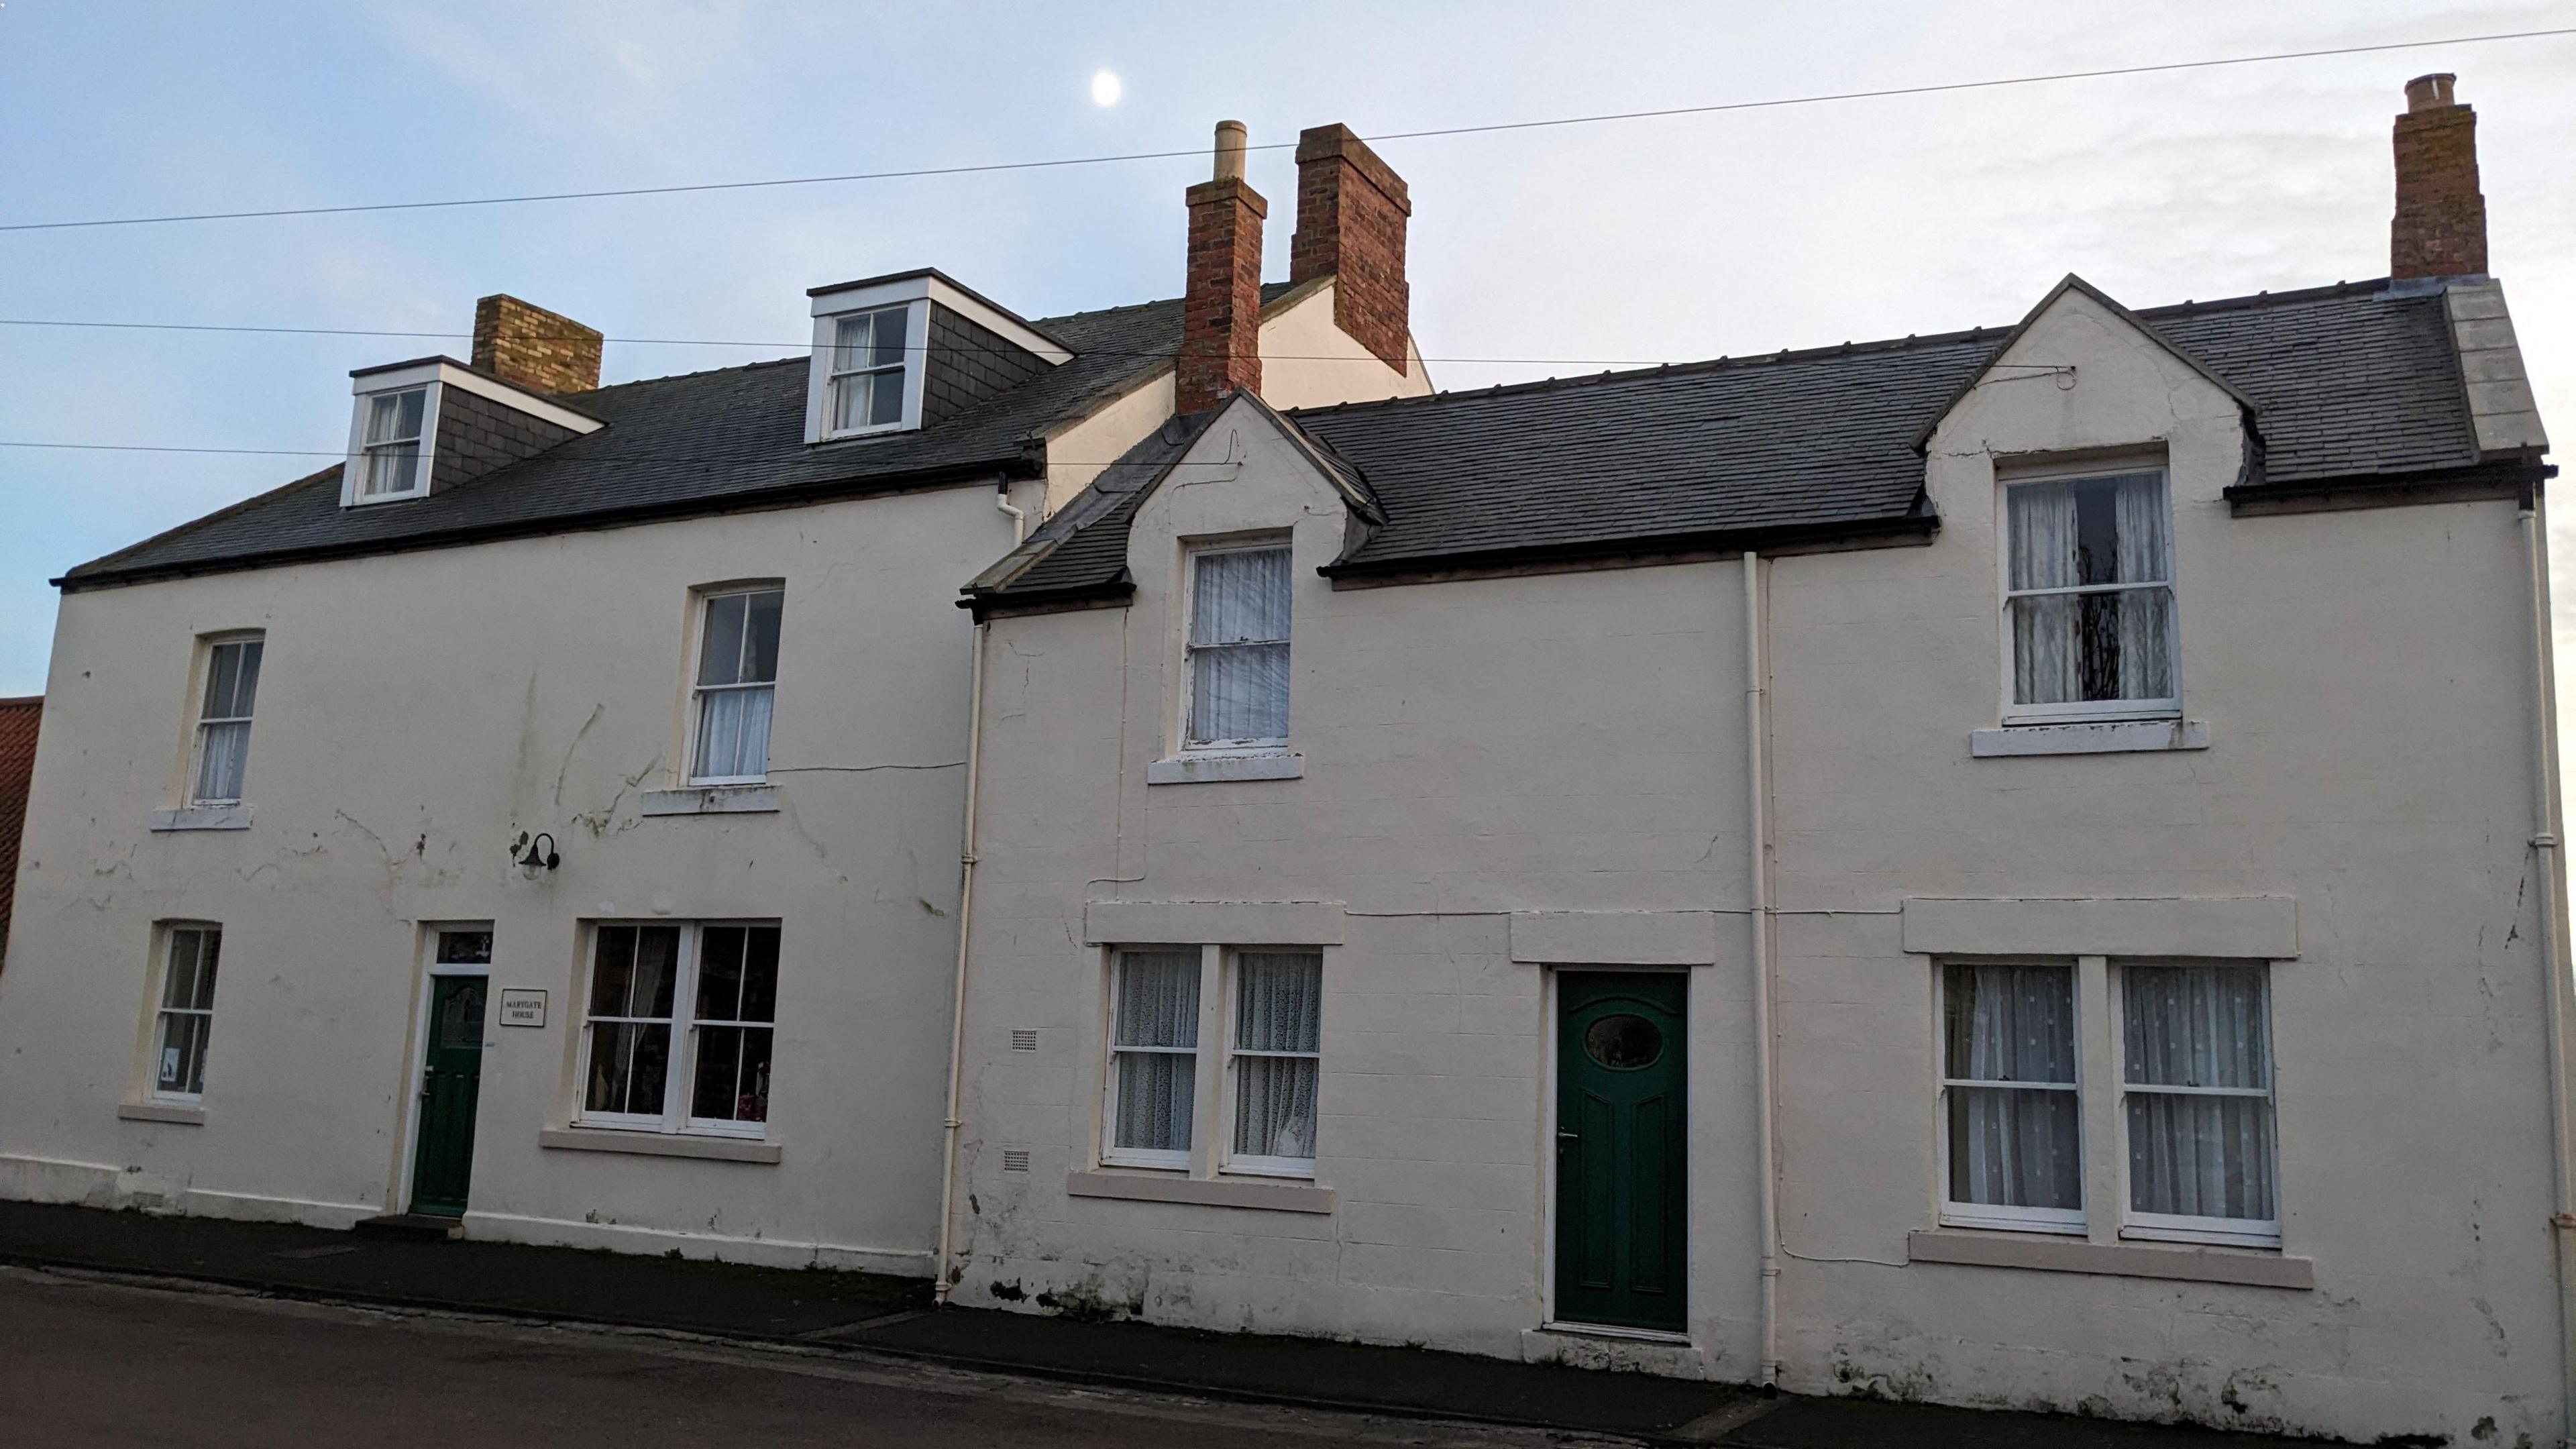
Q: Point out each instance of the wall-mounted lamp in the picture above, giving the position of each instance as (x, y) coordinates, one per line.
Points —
(540, 856)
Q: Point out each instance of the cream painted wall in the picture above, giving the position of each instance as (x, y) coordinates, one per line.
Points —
(1574, 743)
(415, 713)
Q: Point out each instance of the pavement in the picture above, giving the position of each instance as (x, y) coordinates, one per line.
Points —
(871, 1324)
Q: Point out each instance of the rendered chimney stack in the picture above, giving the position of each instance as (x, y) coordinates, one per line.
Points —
(530, 347)
(1351, 210)
(2441, 225)
(1221, 303)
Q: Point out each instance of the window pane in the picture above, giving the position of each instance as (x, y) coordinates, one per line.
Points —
(223, 680)
(891, 327)
(1240, 596)
(1274, 1114)
(190, 981)
(2196, 1156)
(1158, 999)
(850, 343)
(408, 410)
(1279, 1001)
(1239, 693)
(223, 753)
(760, 975)
(2042, 520)
(632, 976)
(732, 1074)
(246, 675)
(720, 973)
(2048, 659)
(2196, 1026)
(760, 652)
(733, 734)
(182, 1066)
(885, 398)
(849, 402)
(2009, 1023)
(465, 948)
(1155, 1090)
(394, 468)
(629, 1065)
(2015, 1147)
(720, 652)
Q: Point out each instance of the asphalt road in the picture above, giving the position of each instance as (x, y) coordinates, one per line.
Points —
(97, 1363)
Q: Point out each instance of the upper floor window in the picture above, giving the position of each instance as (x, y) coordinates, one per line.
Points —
(223, 721)
(2089, 598)
(866, 381)
(1238, 648)
(390, 447)
(737, 680)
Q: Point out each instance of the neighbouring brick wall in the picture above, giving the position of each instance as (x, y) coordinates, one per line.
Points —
(18, 720)
(1221, 304)
(968, 362)
(477, 435)
(1351, 212)
(2440, 228)
(528, 346)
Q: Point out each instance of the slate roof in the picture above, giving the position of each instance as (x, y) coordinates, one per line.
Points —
(675, 446)
(2349, 380)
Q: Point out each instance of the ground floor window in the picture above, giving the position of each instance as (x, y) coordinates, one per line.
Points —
(1259, 1014)
(2192, 1113)
(186, 1017)
(678, 1028)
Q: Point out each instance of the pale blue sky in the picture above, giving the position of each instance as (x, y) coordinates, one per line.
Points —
(1648, 240)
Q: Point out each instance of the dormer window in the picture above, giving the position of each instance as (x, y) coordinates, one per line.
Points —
(867, 370)
(909, 351)
(430, 424)
(390, 453)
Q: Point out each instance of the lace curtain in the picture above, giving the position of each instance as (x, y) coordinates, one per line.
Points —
(1277, 1026)
(2110, 645)
(2199, 1072)
(1154, 1032)
(2012, 1145)
(1239, 646)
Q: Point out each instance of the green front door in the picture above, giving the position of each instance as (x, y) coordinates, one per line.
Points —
(1621, 1076)
(451, 1081)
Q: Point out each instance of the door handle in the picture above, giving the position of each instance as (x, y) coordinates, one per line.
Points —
(1564, 1135)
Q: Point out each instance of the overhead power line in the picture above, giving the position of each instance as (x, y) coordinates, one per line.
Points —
(1886, 92)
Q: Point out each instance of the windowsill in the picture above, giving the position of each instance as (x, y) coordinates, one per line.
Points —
(1272, 1195)
(185, 1114)
(1195, 769)
(659, 1144)
(1612, 1330)
(711, 800)
(2044, 1253)
(2100, 737)
(202, 817)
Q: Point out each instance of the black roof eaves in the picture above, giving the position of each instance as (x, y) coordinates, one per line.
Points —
(1098, 506)
(1758, 538)
(2073, 283)
(944, 475)
(1117, 588)
(2521, 470)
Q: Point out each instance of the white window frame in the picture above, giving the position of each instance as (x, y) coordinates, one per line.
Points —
(2084, 711)
(366, 450)
(699, 693)
(825, 369)
(1189, 592)
(208, 647)
(680, 1078)
(1211, 1150)
(837, 373)
(156, 1029)
(2186, 1228)
(2064, 1221)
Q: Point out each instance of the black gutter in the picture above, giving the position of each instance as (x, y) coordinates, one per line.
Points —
(2502, 478)
(1038, 601)
(1022, 465)
(1763, 539)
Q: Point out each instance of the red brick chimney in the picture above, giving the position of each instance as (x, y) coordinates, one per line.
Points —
(527, 346)
(1221, 305)
(2441, 225)
(1351, 209)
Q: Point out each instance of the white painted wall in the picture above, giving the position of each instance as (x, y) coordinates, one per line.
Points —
(1573, 743)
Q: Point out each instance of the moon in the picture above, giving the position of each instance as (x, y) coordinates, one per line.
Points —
(1105, 88)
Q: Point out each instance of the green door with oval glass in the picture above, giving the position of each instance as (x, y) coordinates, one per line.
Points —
(451, 1080)
(1621, 1075)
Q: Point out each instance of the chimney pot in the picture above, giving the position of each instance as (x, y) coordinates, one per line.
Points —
(527, 346)
(2440, 227)
(1351, 212)
(1230, 140)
